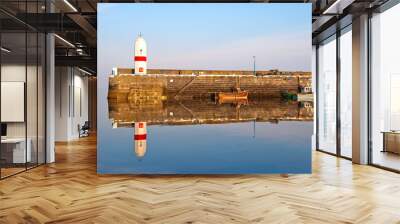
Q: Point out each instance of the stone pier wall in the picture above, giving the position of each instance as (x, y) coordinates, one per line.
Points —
(203, 86)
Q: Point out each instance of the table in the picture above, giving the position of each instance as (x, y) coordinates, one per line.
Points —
(391, 141)
(17, 147)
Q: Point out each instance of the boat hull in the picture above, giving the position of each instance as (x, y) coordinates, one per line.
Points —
(232, 97)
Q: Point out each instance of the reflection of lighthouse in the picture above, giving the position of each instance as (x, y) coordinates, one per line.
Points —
(140, 56)
(140, 139)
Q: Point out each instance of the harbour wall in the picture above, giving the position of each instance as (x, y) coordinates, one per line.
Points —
(202, 86)
(124, 71)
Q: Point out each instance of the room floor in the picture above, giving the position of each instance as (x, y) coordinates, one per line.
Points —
(387, 159)
(70, 191)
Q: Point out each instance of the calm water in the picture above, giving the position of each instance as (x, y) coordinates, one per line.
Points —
(205, 138)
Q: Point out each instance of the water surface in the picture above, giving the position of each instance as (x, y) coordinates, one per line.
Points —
(201, 137)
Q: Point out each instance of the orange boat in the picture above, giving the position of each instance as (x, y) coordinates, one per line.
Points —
(238, 95)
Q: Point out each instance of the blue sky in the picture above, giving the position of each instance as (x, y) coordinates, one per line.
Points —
(206, 36)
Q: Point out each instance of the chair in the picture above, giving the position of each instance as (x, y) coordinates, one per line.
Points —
(84, 130)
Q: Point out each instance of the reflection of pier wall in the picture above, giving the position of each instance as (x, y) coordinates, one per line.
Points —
(202, 86)
(200, 111)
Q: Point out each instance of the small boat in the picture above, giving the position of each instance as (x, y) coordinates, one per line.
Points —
(233, 96)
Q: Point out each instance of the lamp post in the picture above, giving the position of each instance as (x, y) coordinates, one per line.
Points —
(254, 65)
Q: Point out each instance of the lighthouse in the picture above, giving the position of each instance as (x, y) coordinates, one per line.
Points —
(140, 56)
(140, 138)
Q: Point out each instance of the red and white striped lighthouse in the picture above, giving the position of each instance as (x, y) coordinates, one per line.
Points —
(140, 56)
(140, 138)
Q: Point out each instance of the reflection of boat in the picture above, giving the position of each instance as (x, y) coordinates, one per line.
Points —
(233, 96)
(235, 103)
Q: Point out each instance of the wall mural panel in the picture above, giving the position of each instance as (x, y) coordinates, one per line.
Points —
(204, 88)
